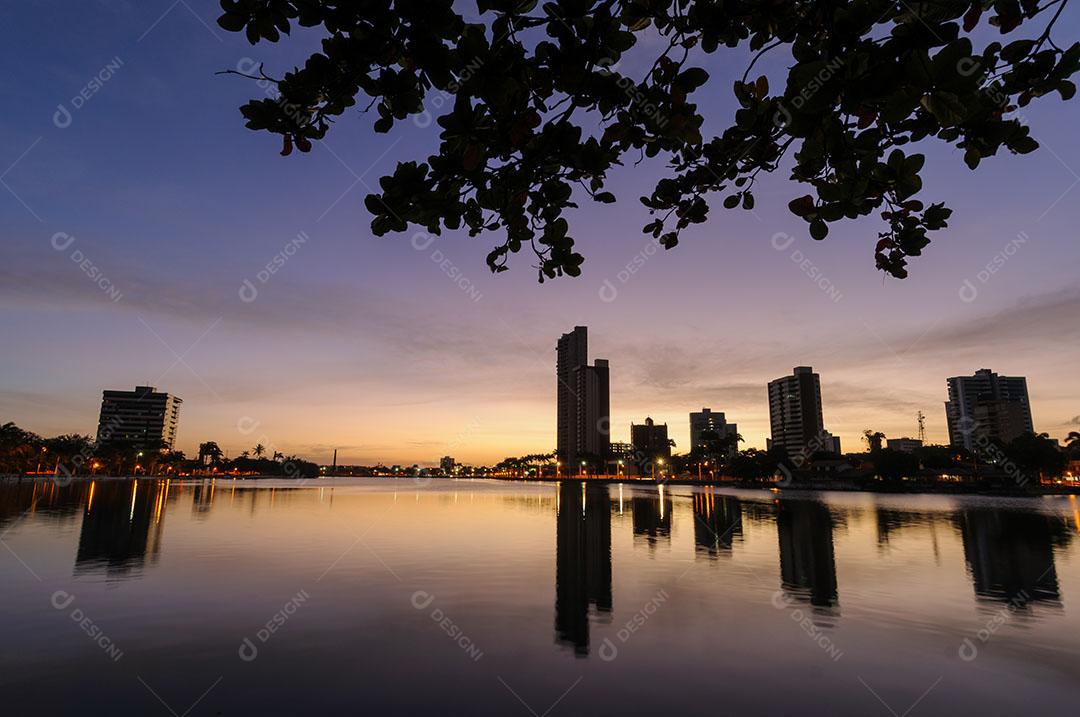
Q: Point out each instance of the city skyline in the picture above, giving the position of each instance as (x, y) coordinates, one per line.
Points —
(573, 351)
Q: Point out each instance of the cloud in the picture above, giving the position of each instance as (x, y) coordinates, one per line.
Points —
(302, 309)
(1036, 318)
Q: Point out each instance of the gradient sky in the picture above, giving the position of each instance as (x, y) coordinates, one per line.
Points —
(365, 344)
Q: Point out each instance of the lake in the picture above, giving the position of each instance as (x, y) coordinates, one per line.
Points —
(403, 597)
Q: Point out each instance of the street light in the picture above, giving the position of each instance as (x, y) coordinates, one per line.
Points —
(584, 473)
(619, 469)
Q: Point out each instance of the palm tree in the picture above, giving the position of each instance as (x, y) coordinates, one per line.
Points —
(1072, 443)
(258, 450)
(279, 456)
(729, 444)
(873, 439)
(210, 450)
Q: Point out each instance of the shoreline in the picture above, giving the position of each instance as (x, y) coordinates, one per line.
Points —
(810, 486)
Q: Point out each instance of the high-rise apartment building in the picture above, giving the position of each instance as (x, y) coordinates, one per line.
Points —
(143, 419)
(705, 421)
(795, 415)
(987, 406)
(650, 440)
(583, 402)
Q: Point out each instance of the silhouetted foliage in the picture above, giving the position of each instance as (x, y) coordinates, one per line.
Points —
(753, 463)
(892, 464)
(1072, 442)
(715, 448)
(1036, 454)
(935, 457)
(537, 110)
(873, 439)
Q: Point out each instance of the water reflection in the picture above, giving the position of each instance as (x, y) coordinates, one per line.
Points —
(1010, 555)
(582, 562)
(1009, 549)
(807, 562)
(41, 500)
(122, 526)
(717, 522)
(652, 518)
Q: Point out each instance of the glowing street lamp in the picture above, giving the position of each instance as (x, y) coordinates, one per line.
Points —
(619, 469)
(584, 473)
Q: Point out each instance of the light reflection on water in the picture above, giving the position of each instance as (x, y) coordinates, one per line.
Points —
(494, 598)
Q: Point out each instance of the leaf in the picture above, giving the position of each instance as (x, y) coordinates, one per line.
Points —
(692, 78)
(971, 18)
(1023, 145)
(232, 22)
(819, 229)
(1017, 50)
(473, 158)
(945, 107)
(802, 206)
(761, 87)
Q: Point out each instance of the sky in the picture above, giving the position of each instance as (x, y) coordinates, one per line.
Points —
(137, 212)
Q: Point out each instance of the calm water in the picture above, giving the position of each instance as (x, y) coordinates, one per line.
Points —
(474, 597)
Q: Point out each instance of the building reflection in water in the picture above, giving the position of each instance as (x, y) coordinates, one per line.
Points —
(202, 499)
(21, 499)
(717, 522)
(582, 562)
(891, 522)
(1010, 554)
(652, 517)
(807, 561)
(122, 526)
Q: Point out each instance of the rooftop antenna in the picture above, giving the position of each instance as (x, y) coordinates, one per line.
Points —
(922, 427)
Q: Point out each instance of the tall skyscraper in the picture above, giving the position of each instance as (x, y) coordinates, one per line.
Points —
(795, 415)
(705, 421)
(143, 419)
(987, 405)
(583, 402)
(593, 386)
